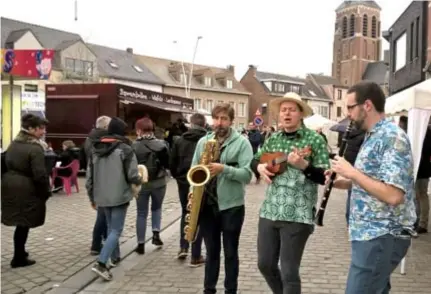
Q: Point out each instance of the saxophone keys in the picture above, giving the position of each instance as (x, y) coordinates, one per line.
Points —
(186, 229)
(187, 218)
(190, 196)
(189, 206)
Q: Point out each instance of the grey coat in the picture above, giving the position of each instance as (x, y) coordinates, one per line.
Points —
(111, 170)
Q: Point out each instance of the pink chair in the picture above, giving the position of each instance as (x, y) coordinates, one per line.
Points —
(68, 182)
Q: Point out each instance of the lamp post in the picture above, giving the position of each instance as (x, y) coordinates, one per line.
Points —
(188, 82)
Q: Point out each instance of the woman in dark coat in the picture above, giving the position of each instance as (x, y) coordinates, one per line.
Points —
(25, 185)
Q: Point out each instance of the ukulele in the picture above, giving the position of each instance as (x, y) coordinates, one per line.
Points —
(277, 161)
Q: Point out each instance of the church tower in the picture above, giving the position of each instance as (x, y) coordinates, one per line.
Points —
(357, 40)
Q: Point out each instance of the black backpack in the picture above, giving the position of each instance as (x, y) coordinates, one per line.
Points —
(148, 157)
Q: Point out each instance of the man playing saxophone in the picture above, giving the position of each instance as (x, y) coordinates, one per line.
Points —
(223, 208)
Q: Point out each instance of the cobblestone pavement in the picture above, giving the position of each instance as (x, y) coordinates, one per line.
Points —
(324, 267)
(61, 247)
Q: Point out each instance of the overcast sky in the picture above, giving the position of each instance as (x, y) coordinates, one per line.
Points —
(286, 37)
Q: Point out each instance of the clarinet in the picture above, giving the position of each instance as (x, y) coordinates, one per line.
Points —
(321, 212)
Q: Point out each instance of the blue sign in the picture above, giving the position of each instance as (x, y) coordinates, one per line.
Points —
(258, 120)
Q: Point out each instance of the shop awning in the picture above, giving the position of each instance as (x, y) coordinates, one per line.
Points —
(158, 105)
(157, 100)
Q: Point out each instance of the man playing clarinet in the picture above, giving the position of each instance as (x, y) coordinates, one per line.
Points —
(382, 211)
(287, 213)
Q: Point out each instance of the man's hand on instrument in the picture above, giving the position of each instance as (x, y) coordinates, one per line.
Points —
(264, 172)
(339, 182)
(342, 167)
(296, 159)
(215, 168)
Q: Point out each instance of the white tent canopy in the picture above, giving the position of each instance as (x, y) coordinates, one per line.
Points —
(316, 121)
(415, 102)
(418, 96)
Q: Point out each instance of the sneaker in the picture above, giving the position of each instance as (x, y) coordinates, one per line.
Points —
(57, 189)
(182, 254)
(197, 262)
(114, 262)
(94, 252)
(156, 239)
(102, 271)
(421, 230)
(140, 249)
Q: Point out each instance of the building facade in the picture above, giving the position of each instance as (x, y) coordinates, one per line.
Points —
(265, 86)
(208, 85)
(407, 39)
(357, 40)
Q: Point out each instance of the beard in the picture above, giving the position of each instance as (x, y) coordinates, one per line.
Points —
(360, 121)
(221, 131)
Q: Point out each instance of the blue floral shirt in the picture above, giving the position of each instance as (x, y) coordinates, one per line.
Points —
(386, 156)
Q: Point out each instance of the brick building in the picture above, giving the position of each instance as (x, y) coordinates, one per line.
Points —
(357, 40)
(265, 86)
(209, 85)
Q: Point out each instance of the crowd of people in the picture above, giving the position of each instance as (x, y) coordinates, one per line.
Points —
(376, 170)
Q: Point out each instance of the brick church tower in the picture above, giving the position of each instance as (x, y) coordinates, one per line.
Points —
(357, 40)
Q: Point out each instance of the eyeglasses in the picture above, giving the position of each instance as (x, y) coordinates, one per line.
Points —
(350, 107)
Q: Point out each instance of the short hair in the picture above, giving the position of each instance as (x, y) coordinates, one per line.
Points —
(102, 122)
(403, 119)
(33, 121)
(145, 124)
(198, 119)
(367, 90)
(68, 144)
(224, 107)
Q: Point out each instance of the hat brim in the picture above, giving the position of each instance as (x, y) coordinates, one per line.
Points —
(274, 105)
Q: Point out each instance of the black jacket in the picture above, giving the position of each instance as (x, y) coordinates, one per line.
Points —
(25, 185)
(182, 152)
(354, 143)
(424, 171)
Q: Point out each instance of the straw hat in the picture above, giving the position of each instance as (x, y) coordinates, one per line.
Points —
(274, 104)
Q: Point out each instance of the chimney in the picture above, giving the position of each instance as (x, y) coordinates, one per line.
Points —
(129, 50)
(386, 57)
(231, 68)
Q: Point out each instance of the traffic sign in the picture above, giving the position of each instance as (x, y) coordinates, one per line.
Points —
(257, 113)
(258, 120)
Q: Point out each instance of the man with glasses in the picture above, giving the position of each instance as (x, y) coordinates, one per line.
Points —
(382, 210)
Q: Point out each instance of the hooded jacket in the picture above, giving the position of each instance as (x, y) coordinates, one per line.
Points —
(236, 156)
(182, 152)
(112, 168)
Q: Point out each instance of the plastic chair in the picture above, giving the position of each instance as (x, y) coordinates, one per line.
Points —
(68, 182)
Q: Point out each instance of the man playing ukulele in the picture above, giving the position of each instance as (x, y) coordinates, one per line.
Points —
(287, 213)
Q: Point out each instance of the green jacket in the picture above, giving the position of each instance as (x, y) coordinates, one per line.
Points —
(231, 182)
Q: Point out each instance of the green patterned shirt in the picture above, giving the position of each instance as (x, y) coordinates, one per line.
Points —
(291, 196)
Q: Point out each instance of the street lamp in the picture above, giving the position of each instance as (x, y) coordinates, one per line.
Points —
(188, 82)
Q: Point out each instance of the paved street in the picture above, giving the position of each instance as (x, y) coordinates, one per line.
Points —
(61, 247)
(324, 267)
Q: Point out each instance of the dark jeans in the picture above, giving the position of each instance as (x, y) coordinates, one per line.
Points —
(100, 230)
(284, 242)
(183, 191)
(373, 262)
(349, 195)
(19, 239)
(213, 224)
(142, 204)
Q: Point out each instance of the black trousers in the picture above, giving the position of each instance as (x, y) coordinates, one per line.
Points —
(284, 242)
(19, 240)
(213, 224)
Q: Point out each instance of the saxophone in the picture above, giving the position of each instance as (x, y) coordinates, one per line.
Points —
(198, 176)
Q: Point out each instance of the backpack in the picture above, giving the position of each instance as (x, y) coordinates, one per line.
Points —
(148, 157)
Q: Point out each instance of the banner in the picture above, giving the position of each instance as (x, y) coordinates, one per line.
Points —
(31, 64)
